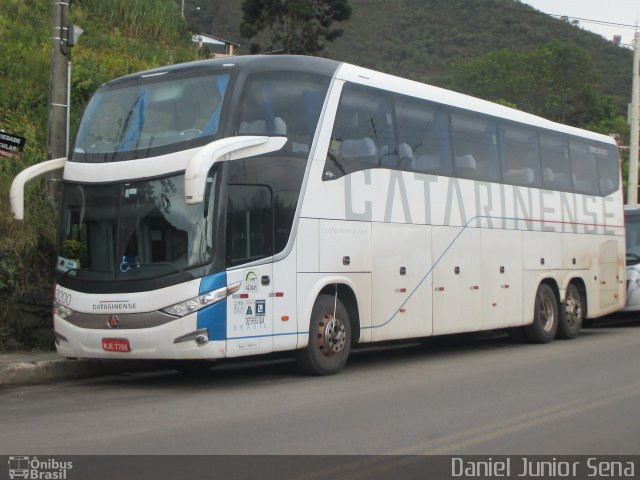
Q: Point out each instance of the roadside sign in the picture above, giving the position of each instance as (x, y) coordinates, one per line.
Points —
(11, 145)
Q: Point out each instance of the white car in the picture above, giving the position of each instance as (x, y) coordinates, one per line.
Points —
(632, 231)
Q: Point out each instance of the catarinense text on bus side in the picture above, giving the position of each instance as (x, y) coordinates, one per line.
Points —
(384, 196)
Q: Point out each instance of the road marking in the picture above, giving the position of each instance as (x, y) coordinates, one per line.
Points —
(458, 441)
(365, 467)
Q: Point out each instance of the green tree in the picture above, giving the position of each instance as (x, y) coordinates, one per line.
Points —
(122, 36)
(557, 81)
(296, 26)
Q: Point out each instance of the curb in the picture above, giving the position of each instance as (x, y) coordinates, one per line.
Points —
(51, 370)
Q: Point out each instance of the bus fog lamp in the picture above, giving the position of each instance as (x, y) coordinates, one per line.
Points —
(59, 338)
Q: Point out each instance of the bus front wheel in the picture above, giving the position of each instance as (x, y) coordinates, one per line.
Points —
(545, 316)
(329, 338)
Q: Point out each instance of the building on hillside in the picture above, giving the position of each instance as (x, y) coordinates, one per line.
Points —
(217, 47)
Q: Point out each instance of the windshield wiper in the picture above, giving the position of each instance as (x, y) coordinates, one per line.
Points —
(137, 266)
(175, 267)
(85, 270)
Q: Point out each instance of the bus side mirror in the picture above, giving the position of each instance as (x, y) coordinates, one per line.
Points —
(16, 193)
(232, 148)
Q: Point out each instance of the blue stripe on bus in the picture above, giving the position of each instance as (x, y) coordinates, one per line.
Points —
(269, 335)
(213, 318)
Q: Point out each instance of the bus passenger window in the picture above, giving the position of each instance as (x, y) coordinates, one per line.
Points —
(424, 128)
(554, 157)
(583, 168)
(608, 167)
(475, 147)
(363, 133)
(520, 155)
(283, 104)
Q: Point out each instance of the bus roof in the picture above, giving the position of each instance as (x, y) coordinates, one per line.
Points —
(250, 64)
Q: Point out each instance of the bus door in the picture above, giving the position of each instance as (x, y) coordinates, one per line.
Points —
(249, 242)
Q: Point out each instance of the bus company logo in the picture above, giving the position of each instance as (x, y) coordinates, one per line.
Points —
(113, 321)
(251, 282)
(36, 469)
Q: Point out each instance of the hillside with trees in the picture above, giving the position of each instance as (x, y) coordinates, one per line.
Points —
(297, 27)
(501, 50)
(430, 40)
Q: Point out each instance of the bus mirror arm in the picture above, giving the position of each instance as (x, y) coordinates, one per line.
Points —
(16, 193)
(232, 148)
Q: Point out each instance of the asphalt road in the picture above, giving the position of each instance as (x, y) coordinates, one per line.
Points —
(486, 396)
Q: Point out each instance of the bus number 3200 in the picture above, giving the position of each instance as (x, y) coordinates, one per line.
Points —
(63, 297)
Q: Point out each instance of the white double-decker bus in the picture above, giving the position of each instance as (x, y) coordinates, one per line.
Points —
(256, 204)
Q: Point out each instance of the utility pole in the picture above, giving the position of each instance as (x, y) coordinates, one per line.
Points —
(58, 101)
(634, 121)
(58, 90)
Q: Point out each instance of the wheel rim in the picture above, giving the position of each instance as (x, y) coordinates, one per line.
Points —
(332, 335)
(546, 314)
(573, 308)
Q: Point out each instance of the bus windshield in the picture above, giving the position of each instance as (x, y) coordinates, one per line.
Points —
(137, 117)
(134, 230)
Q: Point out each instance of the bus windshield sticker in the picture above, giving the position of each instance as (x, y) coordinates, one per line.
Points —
(65, 264)
(251, 282)
(260, 308)
(126, 263)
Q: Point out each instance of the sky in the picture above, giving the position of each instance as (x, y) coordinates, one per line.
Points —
(615, 11)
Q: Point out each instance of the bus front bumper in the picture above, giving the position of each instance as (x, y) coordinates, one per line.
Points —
(179, 339)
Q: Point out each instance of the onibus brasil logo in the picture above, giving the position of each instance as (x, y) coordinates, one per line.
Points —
(38, 469)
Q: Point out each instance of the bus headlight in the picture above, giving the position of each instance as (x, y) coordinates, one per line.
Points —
(194, 304)
(61, 310)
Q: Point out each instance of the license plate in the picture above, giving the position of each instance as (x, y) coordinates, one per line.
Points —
(116, 345)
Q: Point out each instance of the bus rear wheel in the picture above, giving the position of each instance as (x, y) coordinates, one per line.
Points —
(545, 316)
(571, 314)
(329, 338)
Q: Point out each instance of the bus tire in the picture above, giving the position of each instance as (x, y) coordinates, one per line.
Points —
(545, 316)
(329, 338)
(571, 314)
